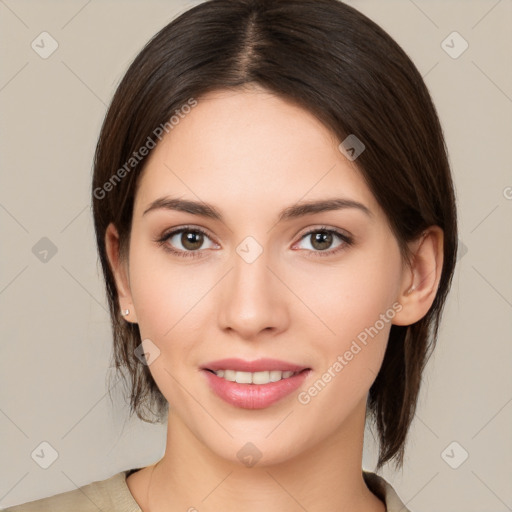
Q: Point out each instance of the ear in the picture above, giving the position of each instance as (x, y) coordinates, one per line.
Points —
(420, 277)
(121, 275)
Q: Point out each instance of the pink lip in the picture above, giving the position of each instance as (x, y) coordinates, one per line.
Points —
(254, 396)
(258, 365)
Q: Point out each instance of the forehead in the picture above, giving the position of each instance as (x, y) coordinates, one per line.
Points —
(252, 149)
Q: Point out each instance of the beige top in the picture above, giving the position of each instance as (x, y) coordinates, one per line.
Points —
(113, 495)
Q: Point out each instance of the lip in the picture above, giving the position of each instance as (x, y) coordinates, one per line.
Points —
(253, 396)
(258, 365)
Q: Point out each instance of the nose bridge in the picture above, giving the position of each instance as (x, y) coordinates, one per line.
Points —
(251, 299)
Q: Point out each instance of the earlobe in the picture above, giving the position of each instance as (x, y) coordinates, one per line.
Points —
(119, 268)
(421, 276)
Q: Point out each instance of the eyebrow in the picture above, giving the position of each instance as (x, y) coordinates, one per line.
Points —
(298, 210)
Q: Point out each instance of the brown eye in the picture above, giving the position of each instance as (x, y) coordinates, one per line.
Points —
(192, 240)
(321, 240)
(186, 242)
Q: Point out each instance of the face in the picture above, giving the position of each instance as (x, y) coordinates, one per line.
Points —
(316, 288)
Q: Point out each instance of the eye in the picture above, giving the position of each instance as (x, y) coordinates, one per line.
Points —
(185, 242)
(321, 241)
(192, 239)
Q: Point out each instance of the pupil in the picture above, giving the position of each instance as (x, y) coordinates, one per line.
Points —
(323, 238)
(192, 240)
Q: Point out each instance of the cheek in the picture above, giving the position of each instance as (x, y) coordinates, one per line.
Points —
(167, 299)
(351, 296)
(355, 305)
(172, 301)
(165, 293)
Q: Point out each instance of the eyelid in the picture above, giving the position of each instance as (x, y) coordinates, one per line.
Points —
(163, 239)
(177, 229)
(346, 240)
(323, 227)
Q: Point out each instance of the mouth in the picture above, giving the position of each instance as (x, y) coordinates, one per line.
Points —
(259, 371)
(254, 384)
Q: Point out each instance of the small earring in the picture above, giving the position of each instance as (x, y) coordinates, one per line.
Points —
(125, 312)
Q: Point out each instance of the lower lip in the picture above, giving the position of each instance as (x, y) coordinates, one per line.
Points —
(254, 396)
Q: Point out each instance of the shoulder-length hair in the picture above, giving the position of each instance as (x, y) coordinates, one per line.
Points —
(340, 66)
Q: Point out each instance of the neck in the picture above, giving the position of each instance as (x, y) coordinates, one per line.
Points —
(326, 476)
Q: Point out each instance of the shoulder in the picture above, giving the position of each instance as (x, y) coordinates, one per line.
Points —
(111, 494)
(385, 492)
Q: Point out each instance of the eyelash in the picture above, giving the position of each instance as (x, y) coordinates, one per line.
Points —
(162, 241)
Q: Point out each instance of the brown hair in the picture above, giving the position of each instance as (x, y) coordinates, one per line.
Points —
(343, 68)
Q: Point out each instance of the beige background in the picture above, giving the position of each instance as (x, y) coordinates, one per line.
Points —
(55, 329)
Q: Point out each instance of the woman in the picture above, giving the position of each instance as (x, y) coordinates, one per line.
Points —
(276, 223)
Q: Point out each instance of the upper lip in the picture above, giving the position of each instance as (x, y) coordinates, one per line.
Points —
(258, 365)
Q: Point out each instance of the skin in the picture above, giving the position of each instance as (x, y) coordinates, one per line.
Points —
(251, 154)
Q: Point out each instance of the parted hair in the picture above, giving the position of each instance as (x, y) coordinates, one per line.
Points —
(343, 68)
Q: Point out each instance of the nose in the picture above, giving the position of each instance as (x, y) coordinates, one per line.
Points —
(252, 299)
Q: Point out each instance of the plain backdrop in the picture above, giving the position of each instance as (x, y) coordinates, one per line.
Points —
(56, 340)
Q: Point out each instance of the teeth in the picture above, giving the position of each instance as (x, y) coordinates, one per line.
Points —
(243, 377)
(254, 378)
